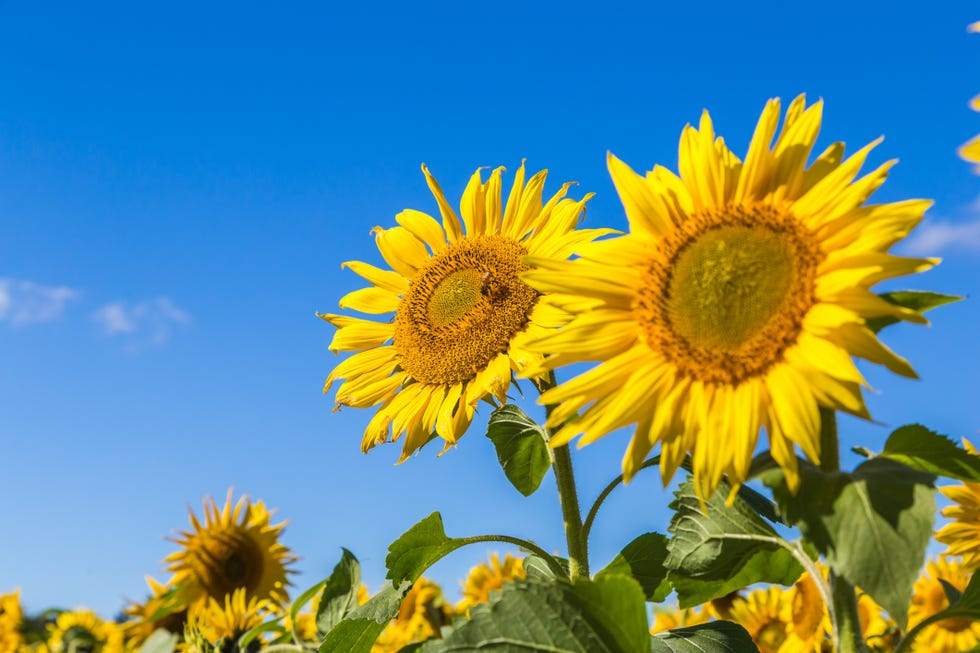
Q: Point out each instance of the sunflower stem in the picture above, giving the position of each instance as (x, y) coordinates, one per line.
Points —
(575, 535)
(843, 605)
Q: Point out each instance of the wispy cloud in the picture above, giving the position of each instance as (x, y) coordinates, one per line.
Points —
(146, 323)
(26, 302)
(936, 235)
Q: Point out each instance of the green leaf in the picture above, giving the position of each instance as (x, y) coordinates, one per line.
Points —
(357, 632)
(872, 525)
(537, 568)
(643, 560)
(721, 549)
(920, 448)
(607, 615)
(714, 637)
(416, 550)
(966, 606)
(917, 300)
(339, 593)
(160, 641)
(269, 626)
(521, 447)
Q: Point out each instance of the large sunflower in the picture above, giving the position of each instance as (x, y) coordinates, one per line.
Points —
(461, 309)
(962, 535)
(735, 303)
(929, 597)
(236, 547)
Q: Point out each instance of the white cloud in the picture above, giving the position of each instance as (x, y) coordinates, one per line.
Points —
(147, 323)
(26, 302)
(935, 235)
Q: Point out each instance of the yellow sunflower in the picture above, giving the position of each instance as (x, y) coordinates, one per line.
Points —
(11, 616)
(225, 621)
(236, 547)
(306, 628)
(929, 597)
(672, 618)
(81, 631)
(485, 578)
(963, 534)
(161, 609)
(461, 310)
(810, 624)
(970, 151)
(422, 613)
(767, 615)
(734, 304)
(880, 633)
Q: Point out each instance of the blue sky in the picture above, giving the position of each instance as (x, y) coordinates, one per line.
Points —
(180, 182)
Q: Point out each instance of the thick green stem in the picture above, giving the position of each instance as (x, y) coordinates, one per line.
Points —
(843, 607)
(561, 462)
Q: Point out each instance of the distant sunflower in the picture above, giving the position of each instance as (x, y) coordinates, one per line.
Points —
(221, 623)
(671, 618)
(810, 623)
(461, 309)
(162, 609)
(734, 304)
(767, 616)
(81, 631)
(880, 632)
(485, 578)
(236, 547)
(422, 613)
(963, 534)
(929, 597)
(11, 616)
(970, 150)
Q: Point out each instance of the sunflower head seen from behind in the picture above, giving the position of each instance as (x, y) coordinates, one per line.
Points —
(236, 547)
(461, 310)
(735, 303)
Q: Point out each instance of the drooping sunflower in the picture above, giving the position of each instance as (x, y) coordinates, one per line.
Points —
(970, 151)
(81, 631)
(929, 597)
(962, 535)
(461, 310)
(735, 303)
(485, 578)
(11, 616)
(767, 616)
(236, 547)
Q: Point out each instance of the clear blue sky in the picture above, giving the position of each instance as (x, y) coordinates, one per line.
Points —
(179, 183)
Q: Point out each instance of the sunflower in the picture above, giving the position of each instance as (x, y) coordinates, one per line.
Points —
(810, 621)
(422, 613)
(963, 534)
(734, 304)
(306, 628)
(880, 633)
(217, 625)
(236, 547)
(11, 616)
(767, 615)
(81, 631)
(461, 310)
(672, 618)
(970, 151)
(929, 597)
(485, 578)
(160, 610)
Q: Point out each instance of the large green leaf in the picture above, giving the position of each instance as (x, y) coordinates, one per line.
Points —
(714, 637)
(607, 615)
(872, 525)
(357, 632)
(521, 447)
(918, 447)
(416, 550)
(917, 300)
(643, 560)
(719, 549)
(339, 593)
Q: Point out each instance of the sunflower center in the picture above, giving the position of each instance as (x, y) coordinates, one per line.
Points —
(727, 292)
(227, 560)
(462, 309)
(771, 636)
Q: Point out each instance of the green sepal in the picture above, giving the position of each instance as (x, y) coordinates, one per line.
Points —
(714, 637)
(643, 561)
(872, 524)
(521, 446)
(917, 300)
(920, 448)
(719, 549)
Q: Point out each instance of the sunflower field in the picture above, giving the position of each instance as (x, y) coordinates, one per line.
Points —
(722, 330)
